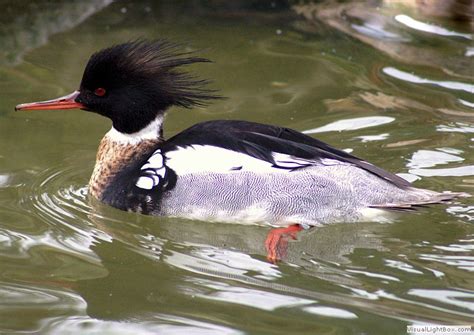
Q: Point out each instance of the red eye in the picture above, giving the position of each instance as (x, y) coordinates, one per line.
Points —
(100, 92)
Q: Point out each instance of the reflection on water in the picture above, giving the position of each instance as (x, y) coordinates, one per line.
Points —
(31, 27)
(452, 85)
(449, 297)
(378, 27)
(463, 212)
(467, 170)
(458, 127)
(429, 28)
(352, 124)
(429, 158)
(71, 265)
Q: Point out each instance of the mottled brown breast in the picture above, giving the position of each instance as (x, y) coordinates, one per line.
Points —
(111, 158)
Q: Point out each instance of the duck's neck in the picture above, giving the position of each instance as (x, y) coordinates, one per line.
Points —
(117, 150)
(153, 131)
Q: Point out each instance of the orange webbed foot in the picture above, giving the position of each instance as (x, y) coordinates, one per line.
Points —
(277, 241)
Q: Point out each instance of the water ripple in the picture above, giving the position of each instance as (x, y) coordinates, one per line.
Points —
(18, 300)
(451, 297)
(429, 28)
(58, 197)
(429, 158)
(155, 324)
(352, 124)
(412, 78)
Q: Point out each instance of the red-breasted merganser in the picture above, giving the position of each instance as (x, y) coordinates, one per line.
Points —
(231, 171)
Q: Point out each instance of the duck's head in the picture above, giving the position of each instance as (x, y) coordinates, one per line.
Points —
(133, 84)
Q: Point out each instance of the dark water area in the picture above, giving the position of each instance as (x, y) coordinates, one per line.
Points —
(384, 80)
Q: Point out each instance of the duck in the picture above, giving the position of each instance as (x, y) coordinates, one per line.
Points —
(222, 170)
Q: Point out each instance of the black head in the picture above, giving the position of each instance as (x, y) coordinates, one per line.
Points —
(132, 83)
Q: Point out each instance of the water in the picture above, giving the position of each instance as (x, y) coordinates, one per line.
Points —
(395, 90)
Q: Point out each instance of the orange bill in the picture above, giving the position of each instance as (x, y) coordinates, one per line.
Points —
(65, 102)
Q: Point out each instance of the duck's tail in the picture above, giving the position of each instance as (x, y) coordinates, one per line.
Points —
(418, 197)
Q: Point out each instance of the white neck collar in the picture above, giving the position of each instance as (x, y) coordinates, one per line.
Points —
(150, 132)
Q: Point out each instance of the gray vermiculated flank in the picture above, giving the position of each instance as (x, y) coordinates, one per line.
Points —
(313, 195)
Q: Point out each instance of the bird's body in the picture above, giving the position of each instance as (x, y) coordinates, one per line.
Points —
(244, 172)
(232, 171)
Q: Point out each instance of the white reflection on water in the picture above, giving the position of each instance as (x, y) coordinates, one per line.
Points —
(352, 124)
(467, 103)
(445, 296)
(330, 312)
(228, 262)
(452, 151)
(428, 28)
(430, 158)
(409, 177)
(423, 159)
(401, 266)
(376, 30)
(159, 324)
(150, 245)
(459, 171)
(250, 297)
(465, 212)
(469, 52)
(451, 297)
(74, 245)
(463, 262)
(239, 260)
(374, 275)
(370, 138)
(29, 295)
(436, 273)
(25, 301)
(412, 78)
(458, 127)
(457, 247)
(4, 180)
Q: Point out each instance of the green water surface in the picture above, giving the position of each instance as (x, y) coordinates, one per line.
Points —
(349, 74)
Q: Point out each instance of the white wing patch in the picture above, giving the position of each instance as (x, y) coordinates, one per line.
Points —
(202, 158)
(145, 183)
(153, 170)
(208, 158)
(290, 162)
